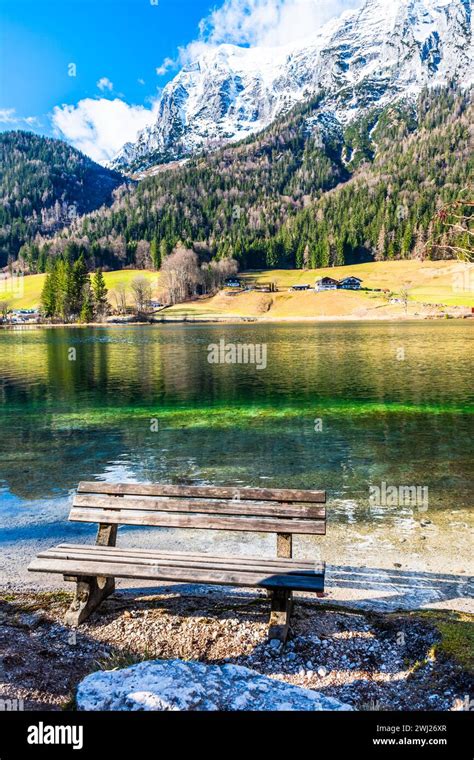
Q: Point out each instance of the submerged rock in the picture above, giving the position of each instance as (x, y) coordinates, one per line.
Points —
(166, 685)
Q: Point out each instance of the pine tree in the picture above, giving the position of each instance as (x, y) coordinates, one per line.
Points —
(79, 281)
(87, 309)
(339, 254)
(64, 290)
(165, 250)
(407, 241)
(49, 296)
(325, 254)
(155, 253)
(306, 257)
(381, 243)
(42, 258)
(100, 294)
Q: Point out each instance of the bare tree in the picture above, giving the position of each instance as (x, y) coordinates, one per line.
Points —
(404, 296)
(227, 267)
(120, 297)
(141, 290)
(456, 236)
(117, 246)
(142, 255)
(214, 275)
(181, 275)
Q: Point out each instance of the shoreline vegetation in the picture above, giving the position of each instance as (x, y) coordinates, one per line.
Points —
(233, 321)
(391, 291)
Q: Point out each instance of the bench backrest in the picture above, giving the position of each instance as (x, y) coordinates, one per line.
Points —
(266, 510)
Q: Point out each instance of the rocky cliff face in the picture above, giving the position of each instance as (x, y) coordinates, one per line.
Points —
(368, 57)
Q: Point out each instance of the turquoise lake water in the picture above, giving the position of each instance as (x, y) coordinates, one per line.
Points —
(340, 406)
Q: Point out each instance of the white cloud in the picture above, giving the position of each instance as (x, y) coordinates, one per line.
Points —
(269, 22)
(9, 116)
(105, 84)
(167, 64)
(253, 23)
(101, 127)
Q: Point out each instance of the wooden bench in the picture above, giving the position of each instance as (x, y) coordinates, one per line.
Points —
(94, 567)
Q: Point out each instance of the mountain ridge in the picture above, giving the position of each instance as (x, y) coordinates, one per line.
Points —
(289, 197)
(44, 184)
(364, 58)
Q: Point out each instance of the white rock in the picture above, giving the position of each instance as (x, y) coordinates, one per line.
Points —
(174, 685)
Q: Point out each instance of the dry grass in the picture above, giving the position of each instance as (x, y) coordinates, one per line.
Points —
(442, 283)
(447, 282)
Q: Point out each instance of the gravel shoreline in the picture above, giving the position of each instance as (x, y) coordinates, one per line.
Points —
(395, 564)
(389, 634)
(371, 661)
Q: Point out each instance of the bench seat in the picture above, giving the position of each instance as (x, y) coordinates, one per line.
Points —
(281, 511)
(115, 562)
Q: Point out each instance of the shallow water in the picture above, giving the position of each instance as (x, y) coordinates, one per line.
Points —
(339, 407)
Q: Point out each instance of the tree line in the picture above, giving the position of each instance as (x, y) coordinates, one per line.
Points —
(183, 278)
(303, 193)
(71, 294)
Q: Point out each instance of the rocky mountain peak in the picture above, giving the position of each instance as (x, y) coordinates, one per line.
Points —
(365, 58)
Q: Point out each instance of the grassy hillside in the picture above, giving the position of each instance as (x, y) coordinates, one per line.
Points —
(33, 285)
(441, 283)
(450, 283)
(444, 283)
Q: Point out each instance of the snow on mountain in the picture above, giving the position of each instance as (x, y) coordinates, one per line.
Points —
(367, 57)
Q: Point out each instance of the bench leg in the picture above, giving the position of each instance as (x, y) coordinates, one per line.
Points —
(282, 603)
(90, 592)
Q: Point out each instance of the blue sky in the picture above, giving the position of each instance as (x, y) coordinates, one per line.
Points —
(90, 71)
(123, 40)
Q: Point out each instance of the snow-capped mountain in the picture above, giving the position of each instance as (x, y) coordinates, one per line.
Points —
(371, 56)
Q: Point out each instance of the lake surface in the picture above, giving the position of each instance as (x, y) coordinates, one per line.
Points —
(340, 406)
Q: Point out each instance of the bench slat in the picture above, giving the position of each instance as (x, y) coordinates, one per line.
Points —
(210, 492)
(197, 521)
(163, 559)
(230, 577)
(226, 507)
(127, 551)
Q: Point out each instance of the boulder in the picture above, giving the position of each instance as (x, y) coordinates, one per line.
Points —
(165, 685)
